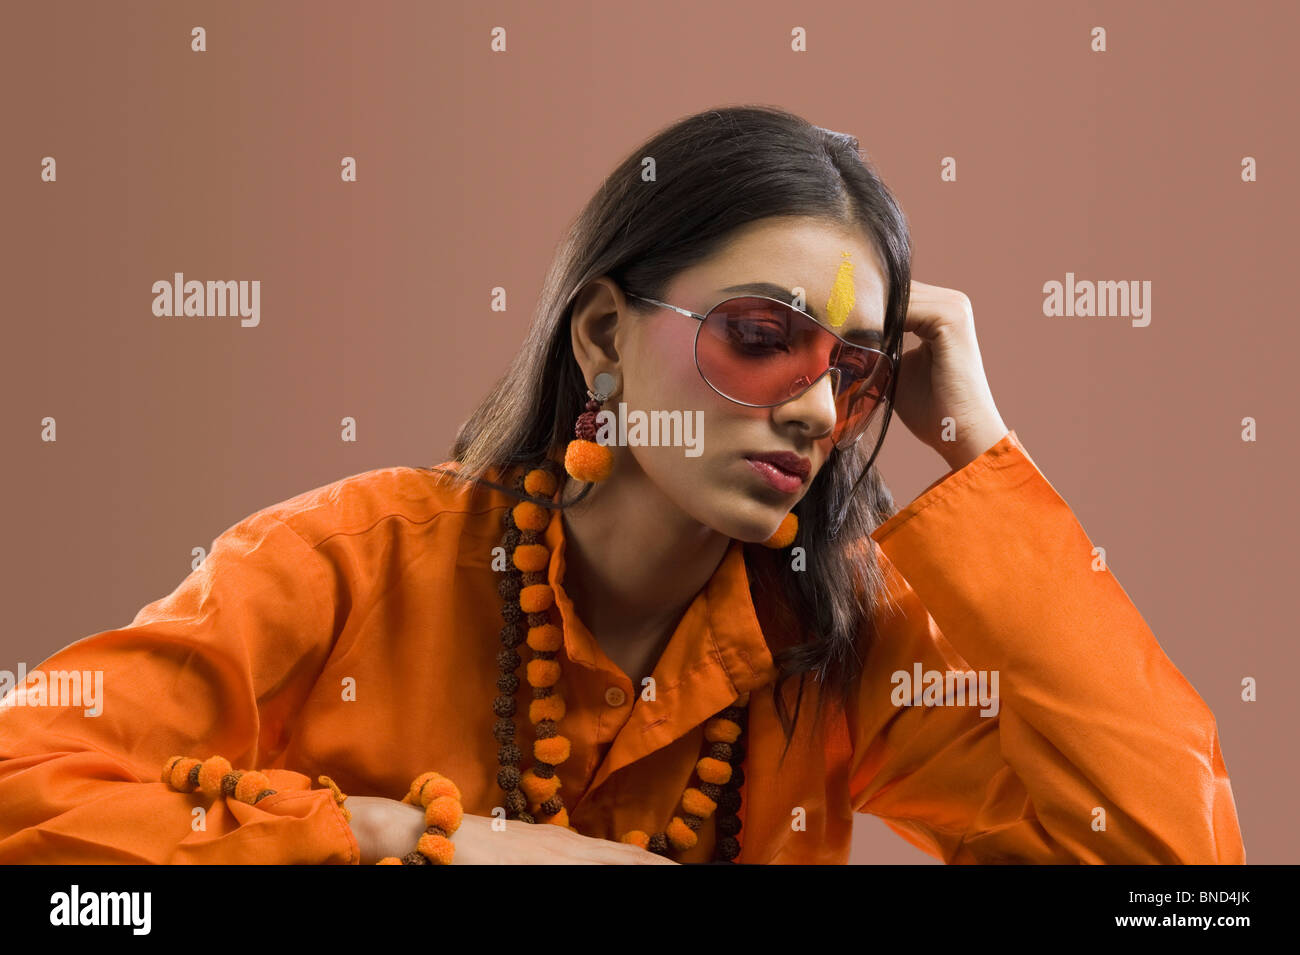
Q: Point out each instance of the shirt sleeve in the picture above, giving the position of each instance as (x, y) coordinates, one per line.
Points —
(218, 667)
(1098, 750)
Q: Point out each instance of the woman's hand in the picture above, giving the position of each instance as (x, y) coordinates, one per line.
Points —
(389, 827)
(944, 378)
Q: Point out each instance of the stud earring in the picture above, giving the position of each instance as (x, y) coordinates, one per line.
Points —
(584, 459)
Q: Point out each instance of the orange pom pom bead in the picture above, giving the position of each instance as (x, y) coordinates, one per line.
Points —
(445, 813)
(784, 535)
(554, 750)
(561, 818)
(542, 672)
(680, 834)
(718, 730)
(547, 708)
(210, 774)
(250, 784)
(437, 785)
(168, 767)
(698, 804)
(390, 860)
(536, 598)
(530, 516)
(413, 794)
(532, 557)
(588, 461)
(181, 770)
(712, 770)
(540, 483)
(546, 637)
(537, 789)
(637, 838)
(437, 849)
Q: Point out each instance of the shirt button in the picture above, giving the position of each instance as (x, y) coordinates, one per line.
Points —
(614, 696)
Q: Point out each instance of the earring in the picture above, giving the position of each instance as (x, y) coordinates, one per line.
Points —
(584, 459)
(784, 535)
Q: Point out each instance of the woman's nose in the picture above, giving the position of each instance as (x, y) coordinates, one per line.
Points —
(814, 408)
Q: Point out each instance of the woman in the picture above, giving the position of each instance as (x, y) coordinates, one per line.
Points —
(662, 606)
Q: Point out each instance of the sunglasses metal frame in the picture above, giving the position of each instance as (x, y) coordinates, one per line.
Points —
(893, 361)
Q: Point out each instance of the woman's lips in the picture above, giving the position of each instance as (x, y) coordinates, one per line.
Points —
(778, 478)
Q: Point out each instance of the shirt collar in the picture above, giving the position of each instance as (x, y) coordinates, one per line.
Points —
(716, 653)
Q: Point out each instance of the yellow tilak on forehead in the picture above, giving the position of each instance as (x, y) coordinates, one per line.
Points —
(840, 304)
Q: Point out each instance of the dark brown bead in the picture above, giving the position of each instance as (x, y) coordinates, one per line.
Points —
(512, 634)
(507, 661)
(503, 706)
(193, 775)
(538, 619)
(529, 537)
(229, 782)
(551, 806)
(721, 751)
(712, 790)
(263, 794)
(542, 692)
(737, 753)
(735, 714)
(508, 517)
(658, 843)
(516, 801)
(415, 858)
(509, 587)
(510, 539)
(508, 683)
(546, 729)
(527, 817)
(509, 754)
(511, 613)
(729, 801)
(533, 578)
(544, 770)
(435, 831)
(728, 848)
(737, 777)
(508, 777)
(503, 730)
(692, 821)
(545, 654)
(728, 825)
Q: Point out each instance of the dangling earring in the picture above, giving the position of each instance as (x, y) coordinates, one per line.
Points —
(584, 459)
(784, 535)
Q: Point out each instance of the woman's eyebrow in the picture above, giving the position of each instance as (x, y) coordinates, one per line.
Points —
(864, 336)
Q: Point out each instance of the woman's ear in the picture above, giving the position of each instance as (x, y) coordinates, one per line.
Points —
(594, 327)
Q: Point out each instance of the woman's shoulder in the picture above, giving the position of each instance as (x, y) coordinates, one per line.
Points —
(412, 496)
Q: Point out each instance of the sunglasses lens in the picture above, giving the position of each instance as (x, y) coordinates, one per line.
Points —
(859, 411)
(759, 351)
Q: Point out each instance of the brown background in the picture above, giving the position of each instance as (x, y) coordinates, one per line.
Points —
(1123, 165)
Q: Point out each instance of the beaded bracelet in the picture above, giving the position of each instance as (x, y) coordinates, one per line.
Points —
(442, 815)
(214, 777)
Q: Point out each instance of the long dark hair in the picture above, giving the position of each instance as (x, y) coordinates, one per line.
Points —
(715, 172)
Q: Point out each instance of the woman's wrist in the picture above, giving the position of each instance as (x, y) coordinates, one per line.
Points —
(973, 441)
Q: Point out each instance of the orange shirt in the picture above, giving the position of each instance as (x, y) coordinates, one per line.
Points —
(352, 631)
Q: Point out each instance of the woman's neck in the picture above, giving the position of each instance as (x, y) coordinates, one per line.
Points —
(634, 562)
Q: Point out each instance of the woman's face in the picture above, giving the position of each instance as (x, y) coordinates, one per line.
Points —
(717, 483)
